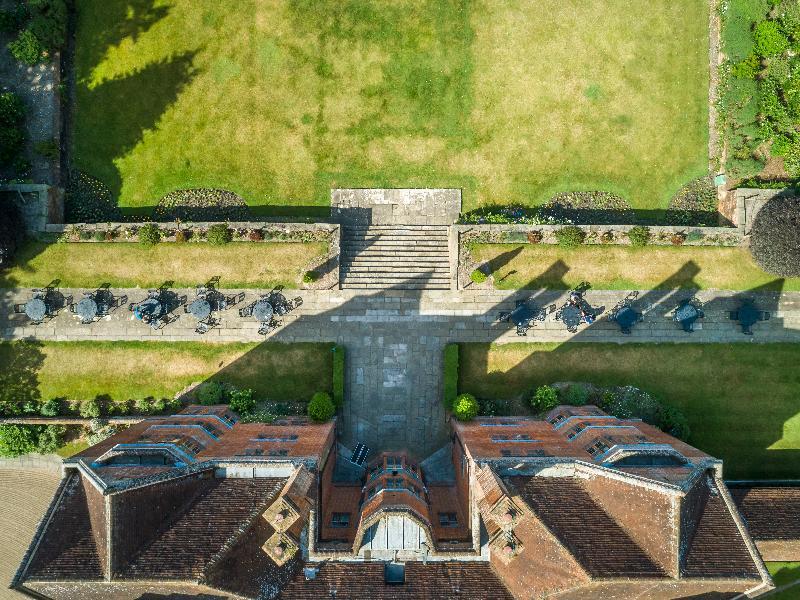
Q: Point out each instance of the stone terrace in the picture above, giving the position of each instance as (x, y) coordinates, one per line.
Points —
(395, 341)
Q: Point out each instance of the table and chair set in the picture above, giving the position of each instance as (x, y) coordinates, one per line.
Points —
(158, 309)
(576, 311)
(267, 307)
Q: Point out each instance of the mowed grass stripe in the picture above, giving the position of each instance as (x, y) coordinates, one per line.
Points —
(517, 266)
(133, 370)
(238, 264)
(741, 400)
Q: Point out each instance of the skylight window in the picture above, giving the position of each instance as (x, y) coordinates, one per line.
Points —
(340, 520)
(448, 519)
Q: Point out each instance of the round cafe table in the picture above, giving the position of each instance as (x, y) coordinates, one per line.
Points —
(262, 311)
(151, 307)
(687, 313)
(200, 308)
(627, 317)
(571, 317)
(36, 309)
(86, 309)
(748, 315)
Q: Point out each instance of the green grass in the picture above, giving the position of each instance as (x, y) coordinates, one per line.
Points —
(133, 370)
(740, 399)
(72, 448)
(784, 573)
(281, 101)
(451, 360)
(238, 264)
(535, 266)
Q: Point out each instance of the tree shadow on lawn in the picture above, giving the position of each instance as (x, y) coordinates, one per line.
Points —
(20, 363)
(127, 107)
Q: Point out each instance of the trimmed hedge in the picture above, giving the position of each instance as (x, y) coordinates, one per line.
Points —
(338, 375)
(451, 360)
(465, 407)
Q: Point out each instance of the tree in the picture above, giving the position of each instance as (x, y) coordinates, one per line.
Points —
(775, 237)
(16, 440)
(321, 407)
(242, 401)
(545, 398)
(465, 407)
(90, 409)
(210, 393)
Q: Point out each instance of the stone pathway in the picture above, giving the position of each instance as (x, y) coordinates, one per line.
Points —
(395, 340)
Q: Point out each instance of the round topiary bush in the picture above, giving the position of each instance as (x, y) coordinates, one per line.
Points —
(210, 393)
(545, 398)
(242, 401)
(775, 237)
(50, 408)
(218, 234)
(478, 276)
(149, 234)
(465, 408)
(90, 409)
(639, 236)
(310, 276)
(570, 236)
(321, 407)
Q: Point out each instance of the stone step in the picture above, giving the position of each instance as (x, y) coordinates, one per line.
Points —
(393, 228)
(395, 286)
(395, 239)
(392, 278)
(380, 271)
(395, 255)
(395, 264)
(421, 244)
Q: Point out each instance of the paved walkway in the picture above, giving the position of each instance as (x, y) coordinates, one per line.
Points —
(395, 339)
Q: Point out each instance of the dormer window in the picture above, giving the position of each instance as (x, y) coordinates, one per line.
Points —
(556, 419)
(340, 520)
(448, 519)
(597, 448)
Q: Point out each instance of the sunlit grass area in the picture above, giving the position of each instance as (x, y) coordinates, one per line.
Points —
(535, 266)
(133, 370)
(282, 100)
(740, 399)
(784, 573)
(238, 264)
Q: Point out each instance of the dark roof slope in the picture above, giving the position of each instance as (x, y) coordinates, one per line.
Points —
(596, 540)
(184, 548)
(68, 549)
(771, 513)
(365, 581)
(717, 548)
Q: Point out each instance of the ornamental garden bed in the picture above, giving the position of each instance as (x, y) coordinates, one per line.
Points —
(740, 400)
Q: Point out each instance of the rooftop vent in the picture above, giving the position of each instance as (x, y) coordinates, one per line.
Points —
(394, 573)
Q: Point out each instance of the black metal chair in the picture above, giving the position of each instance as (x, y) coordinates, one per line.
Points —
(765, 316)
(503, 317)
(73, 308)
(733, 315)
(19, 309)
(297, 303)
(247, 311)
(206, 326)
(266, 328)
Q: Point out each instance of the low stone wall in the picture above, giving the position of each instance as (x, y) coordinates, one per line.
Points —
(661, 235)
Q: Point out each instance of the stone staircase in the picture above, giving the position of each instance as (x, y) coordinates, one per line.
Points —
(406, 257)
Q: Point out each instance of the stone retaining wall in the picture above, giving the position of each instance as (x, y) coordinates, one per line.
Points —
(40, 204)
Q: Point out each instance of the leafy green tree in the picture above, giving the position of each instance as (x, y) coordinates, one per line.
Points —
(90, 409)
(26, 48)
(321, 407)
(50, 439)
(210, 393)
(465, 408)
(545, 398)
(769, 39)
(16, 440)
(242, 401)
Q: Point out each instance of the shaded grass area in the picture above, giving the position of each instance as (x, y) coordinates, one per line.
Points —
(535, 266)
(133, 370)
(784, 573)
(238, 264)
(281, 101)
(740, 400)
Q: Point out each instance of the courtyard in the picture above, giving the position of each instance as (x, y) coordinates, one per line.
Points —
(281, 101)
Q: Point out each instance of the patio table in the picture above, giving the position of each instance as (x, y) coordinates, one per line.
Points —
(262, 311)
(151, 307)
(687, 313)
(571, 316)
(749, 315)
(626, 317)
(36, 309)
(200, 308)
(523, 314)
(86, 309)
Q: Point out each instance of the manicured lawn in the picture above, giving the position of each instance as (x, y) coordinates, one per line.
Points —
(535, 266)
(132, 370)
(741, 400)
(280, 101)
(784, 572)
(238, 264)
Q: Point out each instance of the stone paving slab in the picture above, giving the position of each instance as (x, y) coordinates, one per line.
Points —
(395, 340)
